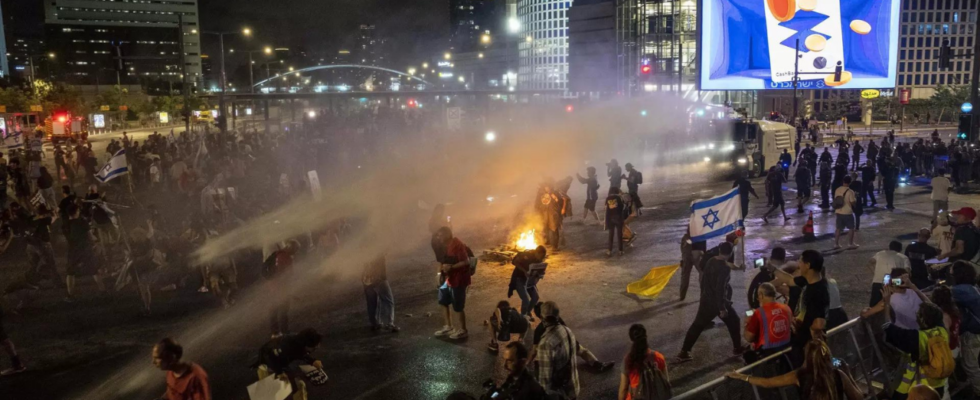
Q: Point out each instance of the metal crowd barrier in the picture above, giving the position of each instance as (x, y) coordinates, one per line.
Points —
(867, 366)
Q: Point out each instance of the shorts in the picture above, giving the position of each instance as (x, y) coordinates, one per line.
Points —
(804, 191)
(590, 205)
(453, 295)
(845, 221)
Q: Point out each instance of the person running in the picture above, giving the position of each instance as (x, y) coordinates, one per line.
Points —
(844, 200)
(775, 183)
(185, 381)
(454, 279)
(639, 359)
(591, 192)
(616, 212)
(744, 189)
(715, 303)
(803, 187)
(378, 292)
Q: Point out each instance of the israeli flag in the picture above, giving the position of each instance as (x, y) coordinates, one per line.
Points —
(115, 167)
(717, 216)
(14, 141)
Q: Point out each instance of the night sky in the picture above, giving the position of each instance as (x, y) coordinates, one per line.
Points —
(414, 28)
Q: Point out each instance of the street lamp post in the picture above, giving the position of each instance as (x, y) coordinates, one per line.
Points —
(221, 48)
(251, 66)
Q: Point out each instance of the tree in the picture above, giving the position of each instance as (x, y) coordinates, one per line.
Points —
(948, 99)
(15, 99)
(64, 97)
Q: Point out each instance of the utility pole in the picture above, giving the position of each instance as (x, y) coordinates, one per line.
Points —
(975, 85)
(183, 74)
(796, 80)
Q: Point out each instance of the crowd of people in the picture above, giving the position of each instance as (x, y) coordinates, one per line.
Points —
(117, 234)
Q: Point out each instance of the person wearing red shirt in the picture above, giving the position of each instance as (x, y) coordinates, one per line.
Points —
(639, 358)
(185, 381)
(454, 278)
(768, 328)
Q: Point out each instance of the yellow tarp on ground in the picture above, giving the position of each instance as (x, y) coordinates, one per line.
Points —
(654, 283)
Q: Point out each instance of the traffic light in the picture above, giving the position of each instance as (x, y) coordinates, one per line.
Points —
(965, 128)
(945, 54)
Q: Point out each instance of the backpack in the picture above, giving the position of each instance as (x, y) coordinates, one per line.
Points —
(639, 178)
(839, 200)
(653, 384)
(940, 364)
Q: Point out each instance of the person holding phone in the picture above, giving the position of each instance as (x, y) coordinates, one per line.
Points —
(903, 297)
(767, 328)
(882, 264)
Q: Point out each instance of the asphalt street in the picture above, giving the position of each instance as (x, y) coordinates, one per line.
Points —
(71, 348)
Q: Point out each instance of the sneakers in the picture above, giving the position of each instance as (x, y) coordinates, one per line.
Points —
(445, 331)
(392, 328)
(683, 357)
(14, 370)
(458, 334)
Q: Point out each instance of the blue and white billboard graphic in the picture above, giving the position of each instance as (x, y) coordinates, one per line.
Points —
(843, 44)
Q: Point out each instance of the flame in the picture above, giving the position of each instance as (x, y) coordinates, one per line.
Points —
(526, 241)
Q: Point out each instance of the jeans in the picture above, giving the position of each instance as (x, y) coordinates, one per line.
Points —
(686, 268)
(890, 192)
(969, 350)
(705, 319)
(528, 292)
(279, 317)
(380, 293)
(615, 234)
(868, 193)
(938, 205)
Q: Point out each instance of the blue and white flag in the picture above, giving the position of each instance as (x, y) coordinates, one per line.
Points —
(14, 140)
(115, 167)
(717, 216)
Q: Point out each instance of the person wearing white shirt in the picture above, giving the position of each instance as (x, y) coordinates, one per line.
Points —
(940, 193)
(882, 264)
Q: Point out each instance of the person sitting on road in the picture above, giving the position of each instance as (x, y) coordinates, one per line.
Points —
(505, 322)
(277, 357)
(583, 353)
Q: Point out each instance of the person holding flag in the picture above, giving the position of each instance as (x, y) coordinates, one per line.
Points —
(117, 166)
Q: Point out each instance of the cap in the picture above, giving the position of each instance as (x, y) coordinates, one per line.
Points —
(968, 212)
(549, 309)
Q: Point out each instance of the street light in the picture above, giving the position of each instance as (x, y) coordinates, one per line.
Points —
(251, 73)
(425, 65)
(513, 25)
(447, 56)
(221, 41)
(485, 39)
(30, 61)
(411, 70)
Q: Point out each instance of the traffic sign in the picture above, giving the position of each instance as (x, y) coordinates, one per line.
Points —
(37, 108)
(104, 108)
(966, 107)
(123, 108)
(3, 109)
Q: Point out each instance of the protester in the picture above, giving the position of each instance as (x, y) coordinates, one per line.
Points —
(17, 365)
(918, 252)
(803, 187)
(280, 274)
(902, 297)
(810, 315)
(642, 362)
(633, 182)
(185, 381)
(868, 177)
(777, 259)
(281, 356)
(687, 262)
(967, 299)
(81, 260)
(768, 326)
(966, 239)
(882, 264)
(377, 292)
(504, 322)
(927, 363)
(775, 184)
(556, 369)
(942, 296)
(844, 200)
(943, 234)
(615, 174)
(817, 378)
(715, 303)
(591, 192)
(744, 189)
(520, 384)
(616, 212)
(584, 353)
(525, 281)
(940, 193)
(454, 278)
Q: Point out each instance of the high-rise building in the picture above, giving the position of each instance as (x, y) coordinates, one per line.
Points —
(23, 36)
(471, 20)
(543, 53)
(98, 41)
(4, 68)
(370, 46)
(925, 25)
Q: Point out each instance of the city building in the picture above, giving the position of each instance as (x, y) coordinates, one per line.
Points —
(543, 53)
(369, 46)
(925, 25)
(4, 68)
(136, 41)
(472, 21)
(23, 36)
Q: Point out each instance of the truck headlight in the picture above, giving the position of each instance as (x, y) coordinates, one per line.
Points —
(742, 160)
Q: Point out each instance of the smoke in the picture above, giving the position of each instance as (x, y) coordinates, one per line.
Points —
(386, 204)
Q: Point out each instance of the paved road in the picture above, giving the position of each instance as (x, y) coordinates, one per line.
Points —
(81, 345)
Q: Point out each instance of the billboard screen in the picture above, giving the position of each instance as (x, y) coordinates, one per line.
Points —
(843, 44)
